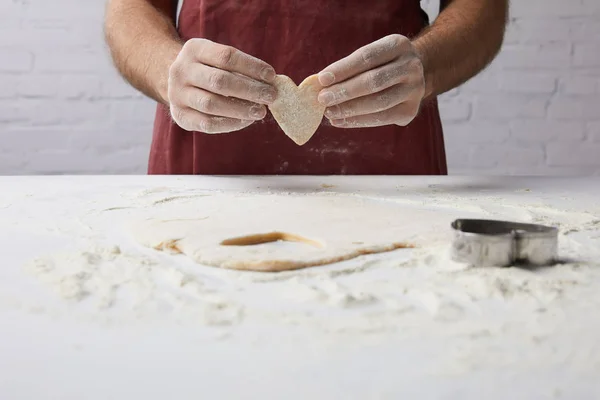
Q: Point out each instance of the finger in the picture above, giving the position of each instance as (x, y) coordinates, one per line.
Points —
(230, 59)
(217, 105)
(370, 104)
(372, 81)
(229, 84)
(402, 115)
(368, 57)
(195, 121)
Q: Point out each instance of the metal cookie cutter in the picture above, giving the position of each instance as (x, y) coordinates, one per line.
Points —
(481, 242)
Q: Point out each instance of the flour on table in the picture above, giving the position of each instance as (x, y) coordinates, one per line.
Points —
(104, 277)
(487, 317)
(267, 233)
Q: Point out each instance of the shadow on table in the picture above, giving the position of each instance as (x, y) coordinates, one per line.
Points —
(560, 261)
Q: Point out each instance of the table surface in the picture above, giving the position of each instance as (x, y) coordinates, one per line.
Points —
(432, 328)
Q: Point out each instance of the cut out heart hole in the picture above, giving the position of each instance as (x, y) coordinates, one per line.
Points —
(261, 238)
(297, 110)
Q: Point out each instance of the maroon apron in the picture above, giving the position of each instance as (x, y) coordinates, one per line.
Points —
(299, 38)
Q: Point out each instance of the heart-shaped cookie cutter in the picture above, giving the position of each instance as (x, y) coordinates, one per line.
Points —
(481, 242)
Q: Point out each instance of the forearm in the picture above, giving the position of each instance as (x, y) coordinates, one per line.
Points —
(143, 43)
(462, 41)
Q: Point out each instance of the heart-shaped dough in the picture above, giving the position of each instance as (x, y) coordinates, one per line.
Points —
(296, 109)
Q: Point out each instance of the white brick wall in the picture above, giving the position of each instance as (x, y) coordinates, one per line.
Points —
(535, 110)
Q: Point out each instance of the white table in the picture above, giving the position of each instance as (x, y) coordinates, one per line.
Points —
(436, 330)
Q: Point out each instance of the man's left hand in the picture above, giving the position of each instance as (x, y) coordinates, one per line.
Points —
(379, 84)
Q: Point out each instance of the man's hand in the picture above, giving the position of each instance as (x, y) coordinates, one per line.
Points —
(379, 84)
(214, 88)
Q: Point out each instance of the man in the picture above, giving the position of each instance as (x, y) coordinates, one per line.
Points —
(381, 65)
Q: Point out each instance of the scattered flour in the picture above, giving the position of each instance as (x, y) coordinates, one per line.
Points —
(416, 293)
(137, 284)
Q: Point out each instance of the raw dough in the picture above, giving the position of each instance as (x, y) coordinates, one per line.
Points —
(276, 233)
(297, 110)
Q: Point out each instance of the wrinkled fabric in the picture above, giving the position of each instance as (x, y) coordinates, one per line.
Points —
(299, 38)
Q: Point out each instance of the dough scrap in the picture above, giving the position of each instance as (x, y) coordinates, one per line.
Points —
(296, 109)
(278, 233)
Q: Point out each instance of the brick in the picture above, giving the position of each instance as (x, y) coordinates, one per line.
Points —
(593, 131)
(513, 32)
(82, 113)
(73, 60)
(47, 24)
(495, 107)
(9, 22)
(70, 86)
(587, 55)
(543, 31)
(8, 8)
(579, 85)
(568, 171)
(61, 162)
(473, 132)
(41, 38)
(132, 113)
(454, 110)
(585, 31)
(574, 154)
(534, 131)
(539, 57)
(452, 93)
(547, 8)
(37, 112)
(575, 107)
(11, 113)
(528, 82)
(37, 86)
(592, 7)
(29, 139)
(117, 88)
(458, 157)
(130, 161)
(47, 10)
(110, 139)
(85, 86)
(12, 163)
(542, 170)
(15, 60)
(8, 86)
(485, 82)
(494, 155)
(593, 72)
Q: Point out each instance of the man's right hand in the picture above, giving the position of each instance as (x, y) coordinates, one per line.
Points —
(215, 88)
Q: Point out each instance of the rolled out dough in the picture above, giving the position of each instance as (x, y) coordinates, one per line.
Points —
(230, 231)
(296, 109)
